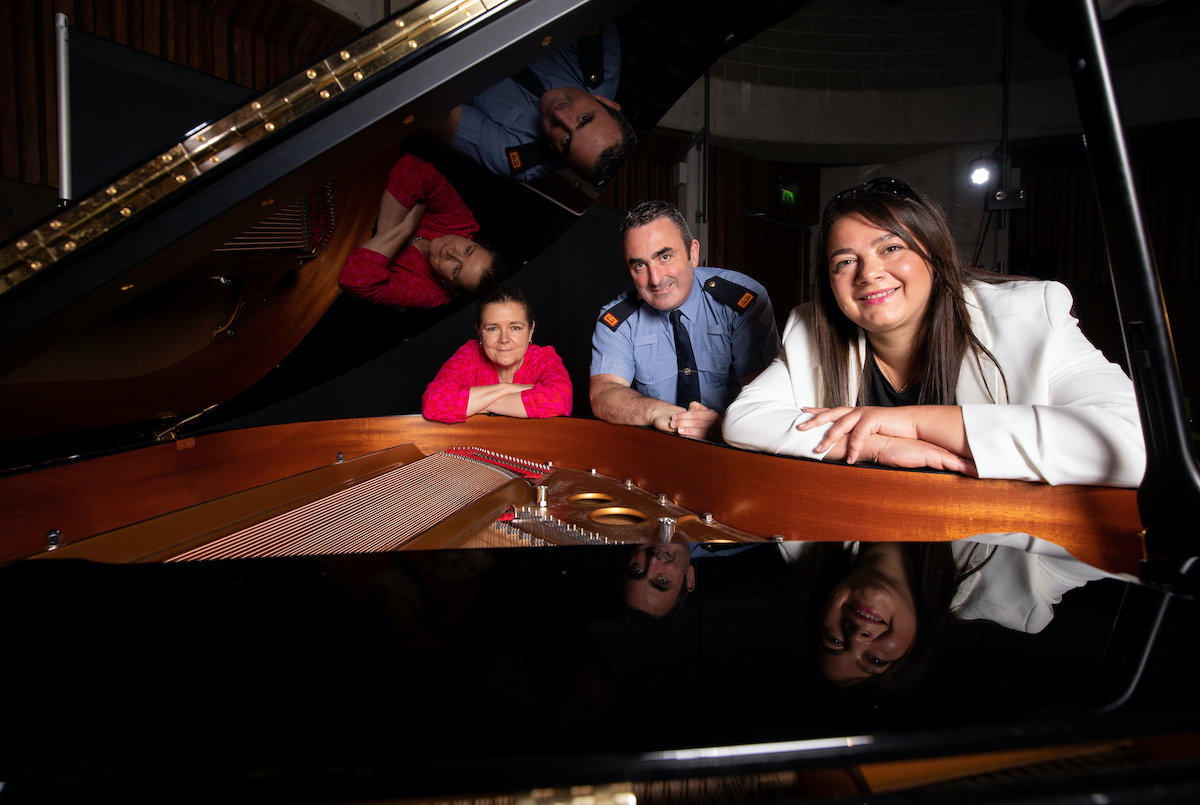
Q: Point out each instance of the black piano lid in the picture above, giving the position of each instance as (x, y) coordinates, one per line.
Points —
(96, 276)
(313, 148)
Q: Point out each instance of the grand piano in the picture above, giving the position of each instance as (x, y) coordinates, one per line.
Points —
(166, 623)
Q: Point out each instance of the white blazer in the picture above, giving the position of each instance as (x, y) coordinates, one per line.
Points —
(1071, 417)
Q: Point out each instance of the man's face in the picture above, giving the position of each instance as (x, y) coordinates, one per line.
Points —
(661, 263)
(579, 127)
(654, 576)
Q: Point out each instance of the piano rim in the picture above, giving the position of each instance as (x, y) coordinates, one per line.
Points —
(79, 500)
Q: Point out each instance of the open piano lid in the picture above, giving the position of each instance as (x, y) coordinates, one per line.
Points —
(110, 313)
(132, 235)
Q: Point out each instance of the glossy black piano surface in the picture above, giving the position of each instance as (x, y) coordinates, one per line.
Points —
(426, 674)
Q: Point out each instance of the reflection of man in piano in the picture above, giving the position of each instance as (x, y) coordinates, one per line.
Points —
(658, 579)
(423, 252)
(563, 101)
(676, 361)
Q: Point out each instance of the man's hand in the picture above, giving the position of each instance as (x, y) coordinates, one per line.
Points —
(696, 422)
(614, 401)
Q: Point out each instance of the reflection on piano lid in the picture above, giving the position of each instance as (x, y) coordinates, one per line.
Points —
(223, 177)
(514, 670)
(311, 92)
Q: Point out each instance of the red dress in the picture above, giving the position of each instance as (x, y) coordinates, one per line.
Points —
(445, 399)
(407, 280)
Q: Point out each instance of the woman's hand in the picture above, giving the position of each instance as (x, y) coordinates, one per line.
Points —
(387, 241)
(939, 425)
(498, 398)
(857, 425)
(896, 451)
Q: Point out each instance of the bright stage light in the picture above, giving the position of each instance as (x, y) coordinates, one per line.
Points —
(981, 169)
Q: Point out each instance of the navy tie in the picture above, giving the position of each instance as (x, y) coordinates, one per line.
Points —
(687, 385)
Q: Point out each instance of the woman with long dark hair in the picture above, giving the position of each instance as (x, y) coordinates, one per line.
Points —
(910, 358)
(882, 609)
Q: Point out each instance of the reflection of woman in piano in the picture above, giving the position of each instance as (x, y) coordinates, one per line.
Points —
(907, 352)
(423, 252)
(883, 607)
(502, 372)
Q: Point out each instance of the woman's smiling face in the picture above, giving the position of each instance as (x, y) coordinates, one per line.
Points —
(504, 333)
(878, 280)
(868, 622)
(459, 261)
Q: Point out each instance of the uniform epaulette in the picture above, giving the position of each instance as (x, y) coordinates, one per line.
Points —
(619, 312)
(738, 297)
(523, 157)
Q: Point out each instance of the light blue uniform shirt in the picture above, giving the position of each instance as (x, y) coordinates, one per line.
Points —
(507, 114)
(727, 345)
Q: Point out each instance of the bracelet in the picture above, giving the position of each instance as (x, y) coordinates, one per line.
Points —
(880, 453)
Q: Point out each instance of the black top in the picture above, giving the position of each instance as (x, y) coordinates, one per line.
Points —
(880, 391)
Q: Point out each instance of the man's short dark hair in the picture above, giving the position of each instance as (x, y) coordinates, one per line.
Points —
(612, 158)
(650, 211)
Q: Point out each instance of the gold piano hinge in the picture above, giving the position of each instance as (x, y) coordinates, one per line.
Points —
(169, 434)
(211, 147)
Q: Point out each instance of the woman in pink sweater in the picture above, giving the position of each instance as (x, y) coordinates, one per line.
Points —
(423, 252)
(502, 372)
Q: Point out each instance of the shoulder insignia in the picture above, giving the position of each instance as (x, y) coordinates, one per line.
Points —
(730, 294)
(523, 157)
(619, 312)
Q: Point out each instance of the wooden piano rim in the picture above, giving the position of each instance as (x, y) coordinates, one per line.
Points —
(799, 499)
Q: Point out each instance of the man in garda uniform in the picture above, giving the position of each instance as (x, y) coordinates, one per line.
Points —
(559, 109)
(642, 373)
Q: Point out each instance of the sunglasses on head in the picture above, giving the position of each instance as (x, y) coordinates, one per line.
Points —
(880, 185)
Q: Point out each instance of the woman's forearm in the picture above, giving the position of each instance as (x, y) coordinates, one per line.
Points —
(483, 398)
(510, 404)
(943, 425)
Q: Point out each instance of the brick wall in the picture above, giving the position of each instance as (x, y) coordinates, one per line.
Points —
(919, 44)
